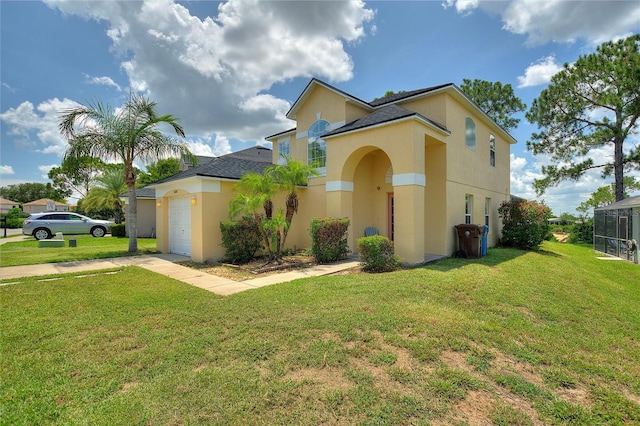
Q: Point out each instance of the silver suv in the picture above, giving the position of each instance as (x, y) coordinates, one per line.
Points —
(44, 225)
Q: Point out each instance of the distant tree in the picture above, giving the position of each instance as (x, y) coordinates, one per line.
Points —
(591, 104)
(389, 93)
(498, 101)
(605, 195)
(161, 169)
(76, 174)
(31, 191)
(105, 194)
(128, 134)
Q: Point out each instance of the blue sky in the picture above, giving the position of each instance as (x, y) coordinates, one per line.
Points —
(230, 71)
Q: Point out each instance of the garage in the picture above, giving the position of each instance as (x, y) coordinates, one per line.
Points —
(180, 225)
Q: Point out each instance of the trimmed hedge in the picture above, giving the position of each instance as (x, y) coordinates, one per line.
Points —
(377, 255)
(329, 239)
(119, 230)
(241, 239)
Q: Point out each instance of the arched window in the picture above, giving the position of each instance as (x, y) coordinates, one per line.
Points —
(317, 148)
(470, 133)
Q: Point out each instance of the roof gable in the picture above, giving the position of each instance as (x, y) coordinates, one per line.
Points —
(43, 202)
(309, 89)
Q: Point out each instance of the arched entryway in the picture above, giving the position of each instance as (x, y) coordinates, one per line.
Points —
(372, 194)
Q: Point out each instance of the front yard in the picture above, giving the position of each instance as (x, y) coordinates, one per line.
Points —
(27, 252)
(516, 337)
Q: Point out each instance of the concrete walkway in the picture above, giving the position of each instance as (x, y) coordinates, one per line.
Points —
(166, 264)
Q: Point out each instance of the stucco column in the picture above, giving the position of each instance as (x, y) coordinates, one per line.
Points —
(340, 204)
(162, 224)
(408, 192)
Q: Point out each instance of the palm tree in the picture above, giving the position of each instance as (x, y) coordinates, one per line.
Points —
(105, 193)
(127, 134)
(255, 191)
(289, 176)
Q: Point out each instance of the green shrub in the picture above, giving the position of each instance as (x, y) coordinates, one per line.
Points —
(241, 239)
(377, 255)
(119, 230)
(525, 224)
(14, 218)
(582, 232)
(329, 239)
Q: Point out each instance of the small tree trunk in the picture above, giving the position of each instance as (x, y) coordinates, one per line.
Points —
(132, 219)
(292, 208)
(132, 209)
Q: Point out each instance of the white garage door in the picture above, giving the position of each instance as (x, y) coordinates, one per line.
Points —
(180, 225)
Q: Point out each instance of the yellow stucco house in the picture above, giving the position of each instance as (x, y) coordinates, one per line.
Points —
(412, 165)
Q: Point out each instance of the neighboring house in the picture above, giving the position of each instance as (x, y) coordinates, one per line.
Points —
(146, 216)
(616, 229)
(44, 205)
(412, 165)
(6, 205)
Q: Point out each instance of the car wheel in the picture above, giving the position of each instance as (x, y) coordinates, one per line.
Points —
(98, 231)
(42, 234)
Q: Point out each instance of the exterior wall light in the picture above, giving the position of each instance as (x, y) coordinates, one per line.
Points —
(158, 203)
(193, 201)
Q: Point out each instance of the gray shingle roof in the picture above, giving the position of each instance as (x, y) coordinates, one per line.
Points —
(383, 115)
(229, 166)
(624, 204)
(405, 95)
(143, 193)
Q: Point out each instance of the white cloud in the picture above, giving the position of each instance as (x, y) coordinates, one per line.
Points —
(462, 6)
(44, 169)
(8, 87)
(103, 81)
(560, 20)
(26, 121)
(212, 72)
(539, 72)
(210, 146)
(6, 170)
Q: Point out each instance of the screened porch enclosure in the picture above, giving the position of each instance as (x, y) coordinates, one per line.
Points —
(616, 229)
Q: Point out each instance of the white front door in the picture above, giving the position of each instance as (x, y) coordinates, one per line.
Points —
(180, 225)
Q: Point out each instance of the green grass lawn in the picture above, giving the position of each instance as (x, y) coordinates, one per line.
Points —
(514, 338)
(27, 252)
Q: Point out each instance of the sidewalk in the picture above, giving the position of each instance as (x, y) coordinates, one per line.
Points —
(165, 264)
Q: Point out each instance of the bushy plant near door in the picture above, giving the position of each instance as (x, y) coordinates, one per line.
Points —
(377, 254)
(329, 239)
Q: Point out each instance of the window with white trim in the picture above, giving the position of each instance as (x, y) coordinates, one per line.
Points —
(492, 150)
(468, 208)
(284, 149)
(470, 133)
(317, 147)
